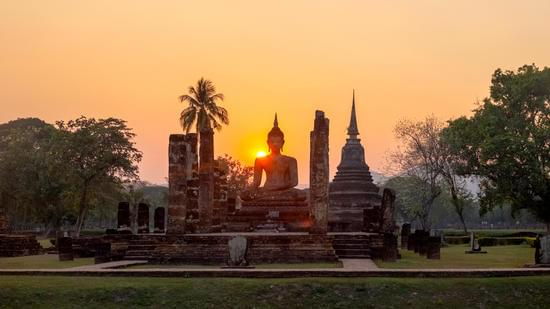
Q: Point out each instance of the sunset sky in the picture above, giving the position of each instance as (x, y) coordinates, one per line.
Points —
(132, 59)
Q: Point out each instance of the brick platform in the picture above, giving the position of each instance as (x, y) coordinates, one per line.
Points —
(263, 248)
(18, 245)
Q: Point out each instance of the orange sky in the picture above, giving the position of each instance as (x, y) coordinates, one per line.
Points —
(131, 59)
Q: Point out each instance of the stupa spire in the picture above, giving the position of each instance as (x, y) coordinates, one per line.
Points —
(352, 129)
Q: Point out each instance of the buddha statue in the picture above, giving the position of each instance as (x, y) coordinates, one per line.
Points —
(281, 173)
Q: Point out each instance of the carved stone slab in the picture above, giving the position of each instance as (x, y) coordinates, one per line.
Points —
(237, 251)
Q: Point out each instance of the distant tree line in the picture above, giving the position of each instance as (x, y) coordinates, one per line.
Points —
(505, 145)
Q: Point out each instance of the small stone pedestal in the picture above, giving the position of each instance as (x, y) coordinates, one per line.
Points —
(65, 248)
(102, 253)
(475, 248)
(433, 247)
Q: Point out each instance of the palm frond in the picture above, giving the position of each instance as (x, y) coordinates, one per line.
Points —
(215, 124)
(217, 96)
(187, 118)
(192, 101)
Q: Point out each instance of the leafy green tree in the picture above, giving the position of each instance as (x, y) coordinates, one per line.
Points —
(96, 152)
(32, 184)
(507, 142)
(203, 111)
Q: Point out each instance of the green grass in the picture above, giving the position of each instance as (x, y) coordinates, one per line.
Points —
(454, 257)
(45, 243)
(260, 266)
(41, 261)
(119, 292)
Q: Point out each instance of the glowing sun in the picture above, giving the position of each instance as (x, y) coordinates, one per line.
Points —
(261, 154)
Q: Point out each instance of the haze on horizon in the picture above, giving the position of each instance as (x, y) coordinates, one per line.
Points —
(131, 59)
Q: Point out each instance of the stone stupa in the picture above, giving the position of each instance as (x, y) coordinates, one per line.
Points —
(352, 189)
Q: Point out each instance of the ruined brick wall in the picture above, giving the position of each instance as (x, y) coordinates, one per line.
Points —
(182, 173)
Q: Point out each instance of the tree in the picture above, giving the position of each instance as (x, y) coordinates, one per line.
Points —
(203, 111)
(424, 156)
(238, 175)
(419, 156)
(32, 184)
(507, 142)
(97, 152)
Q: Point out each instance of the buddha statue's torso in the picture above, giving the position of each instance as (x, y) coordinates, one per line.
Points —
(280, 170)
(281, 173)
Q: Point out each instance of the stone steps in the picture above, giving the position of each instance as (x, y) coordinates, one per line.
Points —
(339, 246)
(348, 246)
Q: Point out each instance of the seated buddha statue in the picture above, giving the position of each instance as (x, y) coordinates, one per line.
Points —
(281, 173)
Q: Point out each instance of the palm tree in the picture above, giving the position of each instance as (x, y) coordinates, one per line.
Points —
(202, 110)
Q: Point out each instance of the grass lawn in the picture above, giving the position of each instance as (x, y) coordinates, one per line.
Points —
(120, 292)
(41, 261)
(454, 257)
(45, 242)
(261, 266)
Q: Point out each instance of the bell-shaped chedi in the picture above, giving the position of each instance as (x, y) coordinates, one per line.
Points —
(352, 189)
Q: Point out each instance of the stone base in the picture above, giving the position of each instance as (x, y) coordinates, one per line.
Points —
(238, 267)
(474, 252)
(263, 248)
(258, 216)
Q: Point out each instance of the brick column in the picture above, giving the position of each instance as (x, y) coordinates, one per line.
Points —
(182, 158)
(319, 173)
(206, 180)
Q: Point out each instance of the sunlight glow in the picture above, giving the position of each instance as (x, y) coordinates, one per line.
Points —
(261, 154)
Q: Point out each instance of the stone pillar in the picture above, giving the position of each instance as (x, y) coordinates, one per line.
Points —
(4, 223)
(65, 248)
(102, 253)
(182, 160)
(433, 251)
(411, 242)
(545, 249)
(206, 180)
(387, 223)
(143, 218)
(159, 220)
(319, 173)
(405, 232)
(123, 216)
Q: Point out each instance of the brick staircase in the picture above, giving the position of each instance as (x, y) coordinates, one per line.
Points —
(352, 246)
(140, 249)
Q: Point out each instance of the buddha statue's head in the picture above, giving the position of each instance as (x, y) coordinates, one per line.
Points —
(275, 137)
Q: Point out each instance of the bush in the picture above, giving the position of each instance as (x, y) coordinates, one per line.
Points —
(490, 241)
(501, 241)
(457, 240)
